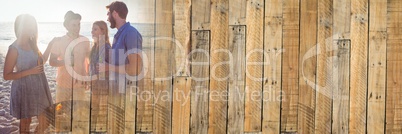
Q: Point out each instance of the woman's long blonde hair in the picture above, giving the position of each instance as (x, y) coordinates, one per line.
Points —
(25, 26)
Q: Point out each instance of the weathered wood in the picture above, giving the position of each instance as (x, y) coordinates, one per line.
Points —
(200, 14)
(393, 115)
(145, 105)
(358, 84)
(237, 12)
(164, 60)
(341, 82)
(290, 71)
(116, 105)
(325, 77)
(377, 67)
(341, 19)
(237, 46)
(130, 106)
(143, 13)
(81, 108)
(181, 105)
(200, 81)
(308, 63)
(182, 35)
(99, 95)
(341, 33)
(254, 65)
(219, 69)
(272, 71)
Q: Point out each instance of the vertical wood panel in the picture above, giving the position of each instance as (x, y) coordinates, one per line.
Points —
(325, 77)
(200, 46)
(164, 58)
(290, 66)
(182, 33)
(219, 69)
(341, 88)
(237, 46)
(394, 68)
(272, 71)
(254, 66)
(358, 84)
(181, 105)
(200, 14)
(377, 67)
(237, 12)
(308, 63)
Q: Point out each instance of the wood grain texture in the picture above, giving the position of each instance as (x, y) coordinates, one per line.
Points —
(200, 14)
(325, 76)
(393, 102)
(181, 105)
(359, 60)
(200, 46)
(219, 69)
(341, 86)
(237, 46)
(290, 65)
(254, 65)
(237, 12)
(164, 60)
(308, 64)
(272, 72)
(377, 66)
(182, 22)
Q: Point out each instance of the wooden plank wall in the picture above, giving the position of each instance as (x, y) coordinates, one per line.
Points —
(265, 66)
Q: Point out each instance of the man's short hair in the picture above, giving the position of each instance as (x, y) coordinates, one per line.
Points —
(119, 7)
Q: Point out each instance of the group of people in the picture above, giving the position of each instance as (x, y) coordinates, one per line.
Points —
(30, 94)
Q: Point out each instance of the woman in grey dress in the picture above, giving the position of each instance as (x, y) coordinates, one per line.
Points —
(30, 95)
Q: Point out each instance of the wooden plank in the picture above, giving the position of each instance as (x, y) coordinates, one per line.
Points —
(341, 33)
(272, 71)
(393, 102)
(130, 106)
(199, 82)
(182, 35)
(81, 108)
(164, 60)
(340, 95)
(359, 47)
(181, 105)
(99, 93)
(145, 106)
(377, 67)
(341, 19)
(116, 105)
(290, 65)
(237, 12)
(324, 68)
(237, 46)
(200, 14)
(254, 66)
(219, 69)
(308, 63)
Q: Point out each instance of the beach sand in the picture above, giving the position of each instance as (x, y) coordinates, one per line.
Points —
(9, 124)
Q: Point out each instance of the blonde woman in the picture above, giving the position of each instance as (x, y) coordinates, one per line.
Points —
(30, 95)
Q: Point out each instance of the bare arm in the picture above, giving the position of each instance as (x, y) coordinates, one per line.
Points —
(46, 54)
(11, 61)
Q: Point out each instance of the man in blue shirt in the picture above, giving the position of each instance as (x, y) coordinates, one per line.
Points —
(125, 61)
(127, 43)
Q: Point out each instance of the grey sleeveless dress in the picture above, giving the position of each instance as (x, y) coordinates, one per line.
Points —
(30, 95)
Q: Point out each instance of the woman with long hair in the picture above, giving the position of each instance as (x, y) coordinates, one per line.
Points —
(99, 86)
(30, 94)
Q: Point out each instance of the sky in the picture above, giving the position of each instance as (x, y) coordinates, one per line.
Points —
(54, 10)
